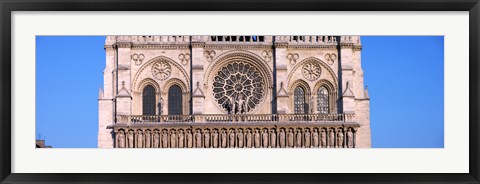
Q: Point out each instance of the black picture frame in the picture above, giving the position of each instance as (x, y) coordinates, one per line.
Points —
(8, 6)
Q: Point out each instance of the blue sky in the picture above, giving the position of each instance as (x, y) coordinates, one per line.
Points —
(404, 74)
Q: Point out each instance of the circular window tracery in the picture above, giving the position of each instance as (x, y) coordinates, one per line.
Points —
(161, 70)
(311, 71)
(238, 87)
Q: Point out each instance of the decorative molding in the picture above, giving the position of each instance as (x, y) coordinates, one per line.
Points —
(237, 46)
(138, 58)
(292, 58)
(161, 46)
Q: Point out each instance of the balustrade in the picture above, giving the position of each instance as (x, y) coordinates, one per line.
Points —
(155, 119)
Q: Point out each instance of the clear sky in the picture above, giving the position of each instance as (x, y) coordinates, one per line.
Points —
(404, 74)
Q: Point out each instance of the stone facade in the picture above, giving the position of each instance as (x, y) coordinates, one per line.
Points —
(233, 91)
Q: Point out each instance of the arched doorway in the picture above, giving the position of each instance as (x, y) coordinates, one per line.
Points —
(175, 100)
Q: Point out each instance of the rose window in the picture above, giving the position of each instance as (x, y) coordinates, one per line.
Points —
(238, 87)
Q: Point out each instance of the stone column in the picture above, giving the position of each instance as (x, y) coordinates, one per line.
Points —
(199, 63)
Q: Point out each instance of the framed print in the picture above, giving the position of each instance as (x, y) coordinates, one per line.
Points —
(210, 91)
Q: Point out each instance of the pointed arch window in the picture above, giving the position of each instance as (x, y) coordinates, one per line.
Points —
(175, 100)
(149, 100)
(299, 100)
(322, 102)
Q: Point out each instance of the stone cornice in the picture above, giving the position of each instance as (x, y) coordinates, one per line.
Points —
(198, 44)
(109, 47)
(124, 44)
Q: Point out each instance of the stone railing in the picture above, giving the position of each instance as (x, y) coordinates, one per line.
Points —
(148, 39)
(307, 39)
(238, 39)
(156, 119)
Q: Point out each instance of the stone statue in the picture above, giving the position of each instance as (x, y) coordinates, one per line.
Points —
(160, 106)
(130, 139)
(265, 138)
(290, 138)
(139, 139)
(245, 105)
(257, 138)
(282, 138)
(121, 139)
(331, 138)
(164, 139)
(273, 138)
(231, 137)
(215, 138)
(299, 139)
(232, 104)
(206, 138)
(240, 103)
(173, 139)
(249, 138)
(240, 139)
(224, 139)
(324, 138)
(306, 142)
(156, 140)
(189, 138)
(340, 139)
(311, 105)
(198, 139)
(315, 138)
(350, 138)
(181, 139)
(147, 139)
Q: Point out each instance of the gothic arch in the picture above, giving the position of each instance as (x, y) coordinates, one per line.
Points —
(174, 81)
(161, 58)
(304, 85)
(332, 94)
(147, 81)
(247, 58)
(185, 94)
(323, 64)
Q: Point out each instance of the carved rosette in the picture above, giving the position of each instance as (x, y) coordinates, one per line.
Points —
(311, 71)
(161, 70)
(241, 82)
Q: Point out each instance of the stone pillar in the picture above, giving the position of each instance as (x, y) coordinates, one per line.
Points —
(106, 97)
(281, 70)
(199, 62)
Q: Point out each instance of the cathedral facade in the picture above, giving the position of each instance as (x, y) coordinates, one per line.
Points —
(233, 92)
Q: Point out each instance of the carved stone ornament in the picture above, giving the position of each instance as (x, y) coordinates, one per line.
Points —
(138, 58)
(292, 58)
(209, 54)
(238, 87)
(311, 71)
(330, 58)
(161, 70)
(267, 55)
(184, 58)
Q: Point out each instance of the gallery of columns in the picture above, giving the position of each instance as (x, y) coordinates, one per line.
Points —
(233, 92)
